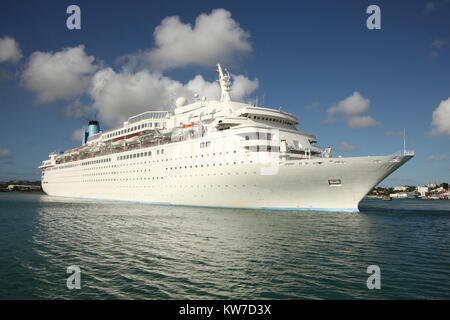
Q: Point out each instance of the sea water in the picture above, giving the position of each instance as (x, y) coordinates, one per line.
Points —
(141, 251)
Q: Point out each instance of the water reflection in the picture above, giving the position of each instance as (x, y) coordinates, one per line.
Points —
(128, 250)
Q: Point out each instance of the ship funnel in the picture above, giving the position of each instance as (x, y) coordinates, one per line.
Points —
(85, 136)
(93, 128)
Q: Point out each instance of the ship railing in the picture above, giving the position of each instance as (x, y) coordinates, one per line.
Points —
(148, 115)
(404, 153)
(109, 150)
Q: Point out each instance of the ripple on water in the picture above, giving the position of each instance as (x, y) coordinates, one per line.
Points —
(136, 251)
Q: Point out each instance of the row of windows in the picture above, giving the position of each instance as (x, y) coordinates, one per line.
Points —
(160, 152)
(65, 179)
(159, 186)
(271, 119)
(259, 136)
(133, 156)
(135, 128)
(263, 148)
(72, 165)
(139, 155)
(145, 170)
(88, 163)
(143, 154)
(146, 154)
(206, 165)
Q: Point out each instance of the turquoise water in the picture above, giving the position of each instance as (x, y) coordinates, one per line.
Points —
(137, 251)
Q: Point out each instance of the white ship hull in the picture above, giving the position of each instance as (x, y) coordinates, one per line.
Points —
(296, 184)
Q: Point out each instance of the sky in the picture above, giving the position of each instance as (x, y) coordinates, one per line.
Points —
(355, 88)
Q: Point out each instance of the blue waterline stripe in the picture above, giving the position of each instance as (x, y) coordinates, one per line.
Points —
(219, 207)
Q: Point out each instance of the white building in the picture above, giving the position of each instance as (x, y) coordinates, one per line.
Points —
(400, 195)
(422, 191)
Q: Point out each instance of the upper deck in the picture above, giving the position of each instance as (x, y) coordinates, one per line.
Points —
(190, 121)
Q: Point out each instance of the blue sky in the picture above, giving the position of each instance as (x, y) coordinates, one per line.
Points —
(355, 88)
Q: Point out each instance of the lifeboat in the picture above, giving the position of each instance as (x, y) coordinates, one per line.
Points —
(118, 143)
(133, 140)
(188, 125)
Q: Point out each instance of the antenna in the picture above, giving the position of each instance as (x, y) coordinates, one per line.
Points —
(404, 141)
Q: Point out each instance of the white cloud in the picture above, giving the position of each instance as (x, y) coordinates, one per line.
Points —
(438, 43)
(59, 75)
(242, 87)
(346, 147)
(77, 110)
(429, 6)
(437, 158)
(357, 122)
(351, 106)
(432, 6)
(353, 109)
(211, 90)
(315, 107)
(215, 37)
(5, 153)
(434, 54)
(77, 135)
(436, 46)
(118, 96)
(9, 50)
(441, 119)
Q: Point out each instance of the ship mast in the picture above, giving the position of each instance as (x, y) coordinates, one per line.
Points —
(225, 83)
(404, 141)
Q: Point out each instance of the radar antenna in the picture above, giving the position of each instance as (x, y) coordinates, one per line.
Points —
(225, 83)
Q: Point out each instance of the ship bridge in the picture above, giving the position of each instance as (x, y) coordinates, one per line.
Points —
(276, 116)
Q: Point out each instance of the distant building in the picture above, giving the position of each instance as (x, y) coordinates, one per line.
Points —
(21, 187)
(423, 191)
(403, 188)
(432, 185)
(400, 195)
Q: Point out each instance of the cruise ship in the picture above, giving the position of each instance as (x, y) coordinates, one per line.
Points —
(220, 153)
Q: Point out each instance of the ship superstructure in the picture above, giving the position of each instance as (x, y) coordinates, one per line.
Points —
(214, 153)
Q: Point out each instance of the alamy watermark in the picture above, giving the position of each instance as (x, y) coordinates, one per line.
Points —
(374, 20)
(263, 146)
(374, 280)
(74, 280)
(73, 22)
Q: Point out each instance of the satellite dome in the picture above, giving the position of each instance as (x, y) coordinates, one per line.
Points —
(181, 101)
